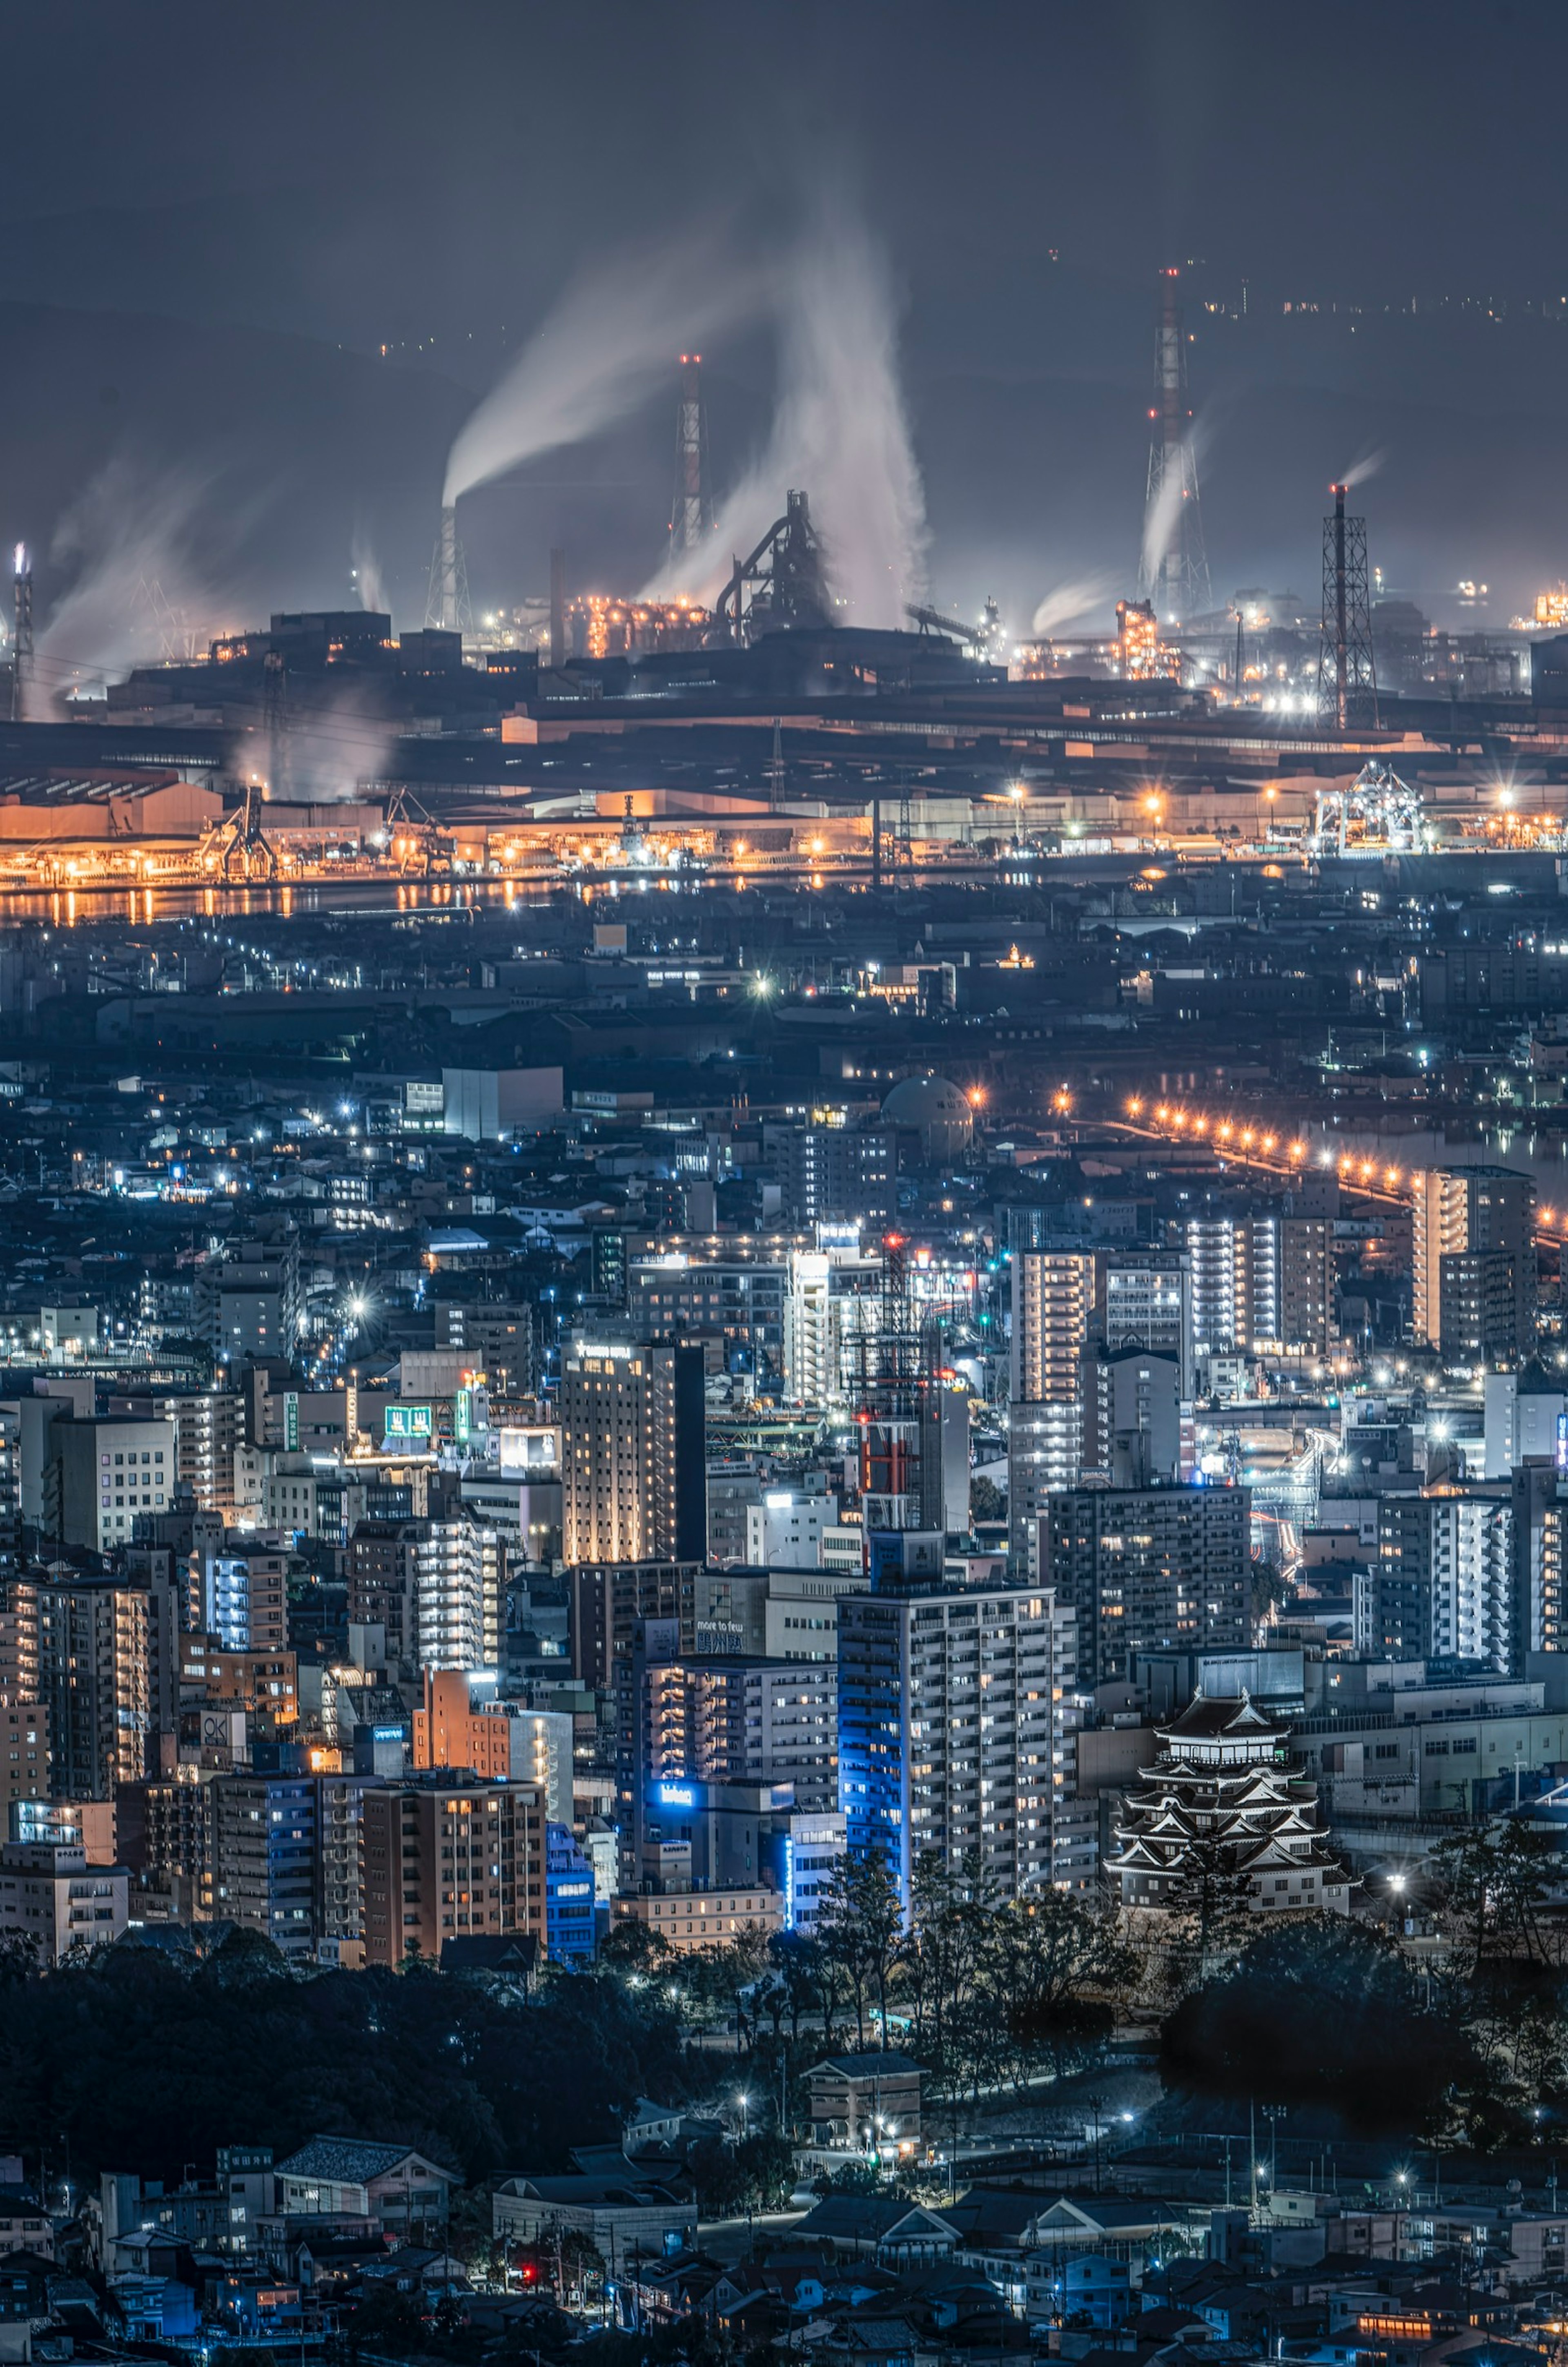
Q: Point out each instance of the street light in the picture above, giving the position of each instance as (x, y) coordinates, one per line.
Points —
(744, 2101)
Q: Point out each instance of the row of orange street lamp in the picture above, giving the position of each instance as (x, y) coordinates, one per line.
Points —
(1259, 1145)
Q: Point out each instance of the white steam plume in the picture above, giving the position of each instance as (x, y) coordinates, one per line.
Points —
(1359, 471)
(1067, 603)
(138, 594)
(841, 434)
(1161, 514)
(607, 343)
(368, 581)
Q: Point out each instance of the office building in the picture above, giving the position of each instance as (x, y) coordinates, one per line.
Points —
(954, 1730)
(1474, 1263)
(633, 1453)
(101, 1476)
(1148, 1570)
(448, 1858)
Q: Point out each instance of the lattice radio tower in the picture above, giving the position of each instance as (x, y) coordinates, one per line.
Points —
(1347, 676)
(1174, 572)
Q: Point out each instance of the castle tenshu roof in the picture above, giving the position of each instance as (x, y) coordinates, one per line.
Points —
(1225, 1716)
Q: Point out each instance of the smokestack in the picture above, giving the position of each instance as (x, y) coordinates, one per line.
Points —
(446, 600)
(21, 631)
(449, 568)
(690, 519)
(1341, 628)
(557, 610)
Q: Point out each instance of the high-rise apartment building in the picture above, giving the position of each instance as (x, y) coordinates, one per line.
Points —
(108, 1658)
(1053, 1316)
(447, 1859)
(742, 1720)
(955, 1724)
(633, 1453)
(287, 1860)
(1261, 1280)
(1475, 1262)
(1150, 1570)
(1444, 1583)
(457, 1593)
(24, 1761)
(828, 1173)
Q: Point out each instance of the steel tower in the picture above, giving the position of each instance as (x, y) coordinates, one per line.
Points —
(446, 602)
(1175, 570)
(1347, 677)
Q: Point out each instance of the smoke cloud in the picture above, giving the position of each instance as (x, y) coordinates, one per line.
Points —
(1359, 471)
(1072, 604)
(138, 594)
(602, 350)
(368, 581)
(1161, 514)
(841, 434)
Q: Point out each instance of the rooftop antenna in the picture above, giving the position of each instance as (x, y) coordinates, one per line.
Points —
(1176, 578)
(21, 632)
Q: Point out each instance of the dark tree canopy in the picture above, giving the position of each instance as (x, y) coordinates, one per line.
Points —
(1320, 2010)
(146, 2063)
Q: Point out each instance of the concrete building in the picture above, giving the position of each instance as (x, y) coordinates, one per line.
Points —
(241, 1598)
(1475, 1262)
(52, 1897)
(828, 1174)
(1523, 1420)
(502, 1742)
(102, 1475)
(692, 1922)
(1443, 1583)
(249, 1302)
(107, 1669)
(784, 1531)
(1148, 1568)
(487, 1104)
(633, 1453)
(1131, 1418)
(448, 1857)
(954, 1732)
(457, 1593)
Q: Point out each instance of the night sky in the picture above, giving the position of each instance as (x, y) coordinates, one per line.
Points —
(214, 221)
